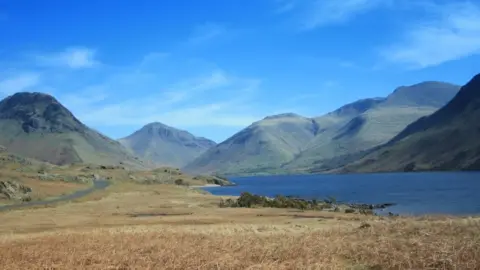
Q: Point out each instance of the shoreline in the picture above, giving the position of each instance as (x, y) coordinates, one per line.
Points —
(206, 185)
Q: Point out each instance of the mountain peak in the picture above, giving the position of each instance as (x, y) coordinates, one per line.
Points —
(156, 125)
(39, 112)
(30, 98)
(283, 115)
(358, 106)
(427, 93)
(36, 125)
(166, 145)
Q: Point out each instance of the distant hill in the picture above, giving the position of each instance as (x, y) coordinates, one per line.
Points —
(264, 145)
(164, 145)
(376, 122)
(446, 140)
(36, 125)
(292, 143)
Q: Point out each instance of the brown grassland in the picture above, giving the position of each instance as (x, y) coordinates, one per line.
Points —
(137, 226)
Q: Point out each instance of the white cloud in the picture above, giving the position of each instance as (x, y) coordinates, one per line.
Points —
(452, 32)
(231, 112)
(76, 57)
(169, 88)
(19, 83)
(206, 98)
(187, 89)
(317, 13)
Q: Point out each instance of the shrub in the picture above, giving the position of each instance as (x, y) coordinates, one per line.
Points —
(349, 211)
(247, 199)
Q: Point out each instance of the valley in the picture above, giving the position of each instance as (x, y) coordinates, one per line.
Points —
(240, 135)
(137, 212)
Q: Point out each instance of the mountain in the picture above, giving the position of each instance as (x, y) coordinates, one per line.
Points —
(292, 143)
(368, 123)
(166, 145)
(264, 145)
(444, 140)
(36, 125)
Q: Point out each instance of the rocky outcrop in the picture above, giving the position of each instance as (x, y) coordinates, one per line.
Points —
(12, 190)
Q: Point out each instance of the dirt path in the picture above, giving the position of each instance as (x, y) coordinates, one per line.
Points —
(97, 185)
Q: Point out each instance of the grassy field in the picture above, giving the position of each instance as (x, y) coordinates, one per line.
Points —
(134, 226)
(49, 181)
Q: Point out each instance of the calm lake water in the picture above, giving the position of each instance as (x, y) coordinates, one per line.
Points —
(455, 193)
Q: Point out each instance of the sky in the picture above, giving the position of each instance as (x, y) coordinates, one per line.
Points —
(213, 67)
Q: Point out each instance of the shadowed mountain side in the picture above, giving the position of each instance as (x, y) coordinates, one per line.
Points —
(376, 125)
(36, 125)
(165, 145)
(445, 140)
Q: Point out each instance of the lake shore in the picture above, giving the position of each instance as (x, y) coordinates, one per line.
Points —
(204, 186)
(410, 194)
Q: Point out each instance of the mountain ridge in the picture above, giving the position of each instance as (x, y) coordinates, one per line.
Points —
(354, 127)
(445, 140)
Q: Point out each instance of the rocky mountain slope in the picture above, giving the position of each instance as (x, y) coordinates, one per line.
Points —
(445, 140)
(264, 145)
(292, 143)
(36, 125)
(375, 125)
(165, 145)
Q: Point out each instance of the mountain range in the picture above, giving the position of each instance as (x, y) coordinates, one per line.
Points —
(426, 126)
(292, 143)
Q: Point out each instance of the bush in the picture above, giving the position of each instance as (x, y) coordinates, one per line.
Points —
(248, 200)
(42, 168)
(181, 182)
(349, 211)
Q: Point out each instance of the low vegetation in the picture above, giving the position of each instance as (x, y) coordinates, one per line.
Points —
(150, 220)
(175, 228)
(249, 200)
(23, 179)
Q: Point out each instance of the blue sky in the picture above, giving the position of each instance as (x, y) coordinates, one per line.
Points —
(213, 67)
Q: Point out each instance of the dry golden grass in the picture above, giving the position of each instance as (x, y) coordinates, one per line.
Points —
(386, 245)
(131, 226)
(40, 189)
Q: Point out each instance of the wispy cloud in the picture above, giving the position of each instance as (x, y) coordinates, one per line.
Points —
(192, 87)
(317, 13)
(452, 32)
(206, 32)
(209, 96)
(193, 106)
(76, 57)
(285, 5)
(18, 83)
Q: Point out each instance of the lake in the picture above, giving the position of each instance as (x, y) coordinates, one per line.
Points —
(454, 193)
